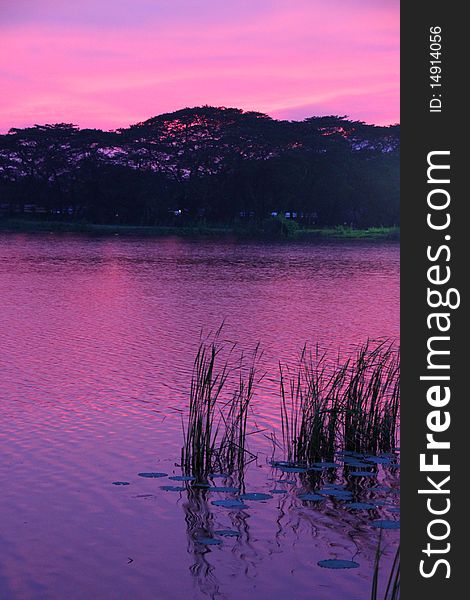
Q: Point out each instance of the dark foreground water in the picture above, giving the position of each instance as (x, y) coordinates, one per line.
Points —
(98, 337)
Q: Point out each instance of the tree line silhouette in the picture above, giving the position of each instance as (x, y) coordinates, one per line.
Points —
(218, 165)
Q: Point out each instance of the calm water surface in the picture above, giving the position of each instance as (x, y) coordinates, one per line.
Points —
(98, 337)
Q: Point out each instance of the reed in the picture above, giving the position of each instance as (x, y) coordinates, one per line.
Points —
(200, 435)
(232, 454)
(392, 591)
(371, 399)
(310, 408)
(350, 405)
(219, 402)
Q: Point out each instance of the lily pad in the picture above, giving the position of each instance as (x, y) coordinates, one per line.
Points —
(335, 563)
(229, 503)
(362, 474)
(201, 484)
(278, 491)
(121, 483)
(256, 496)
(207, 541)
(218, 476)
(311, 497)
(225, 488)
(293, 469)
(182, 478)
(286, 481)
(153, 475)
(360, 506)
(394, 509)
(227, 533)
(172, 488)
(386, 524)
(326, 465)
(378, 460)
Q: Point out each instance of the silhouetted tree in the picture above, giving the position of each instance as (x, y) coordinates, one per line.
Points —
(216, 164)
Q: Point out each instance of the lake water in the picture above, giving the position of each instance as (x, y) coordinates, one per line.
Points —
(98, 338)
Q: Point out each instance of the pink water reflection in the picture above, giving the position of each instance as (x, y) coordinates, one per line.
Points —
(97, 346)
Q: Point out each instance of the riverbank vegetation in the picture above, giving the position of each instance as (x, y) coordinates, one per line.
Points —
(215, 431)
(347, 406)
(198, 230)
(205, 167)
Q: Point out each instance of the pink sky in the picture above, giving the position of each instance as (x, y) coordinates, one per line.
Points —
(110, 63)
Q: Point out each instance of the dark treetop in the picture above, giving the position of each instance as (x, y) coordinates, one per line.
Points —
(218, 165)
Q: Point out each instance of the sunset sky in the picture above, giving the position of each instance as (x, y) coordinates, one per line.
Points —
(110, 63)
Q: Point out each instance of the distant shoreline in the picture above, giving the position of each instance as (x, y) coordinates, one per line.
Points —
(202, 230)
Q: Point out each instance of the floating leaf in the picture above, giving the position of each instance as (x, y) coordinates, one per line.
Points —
(153, 475)
(327, 465)
(172, 488)
(207, 541)
(256, 496)
(225, 488)
(378, 460)
(120, 483)
(227, 533)
(286, 481)
(385, 524)
(359, 505)
(278, 491)
(182, 478)
(229, 503)
(311, 497)
(293, 469)
(394, 509)
(335, 563)
(218, 475)
(285, 463)
(201, 484)
(362, 474)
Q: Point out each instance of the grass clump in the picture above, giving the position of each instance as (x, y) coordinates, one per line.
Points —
(392, 591)
(221, 392)
(310, 408)
(350, 405)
